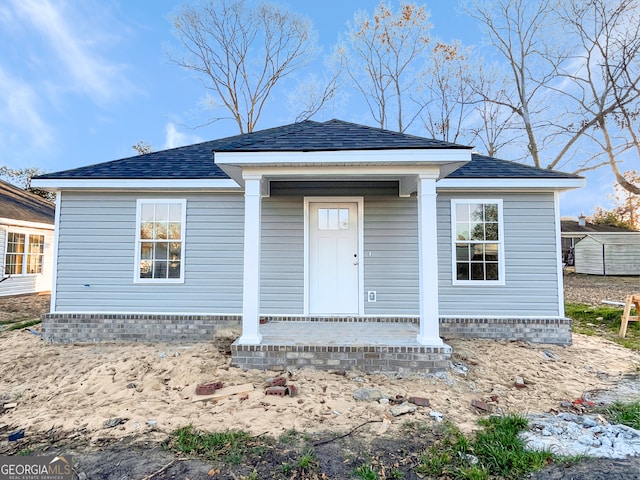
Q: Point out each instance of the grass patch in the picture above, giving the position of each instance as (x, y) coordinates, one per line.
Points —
(625, 413)
(229, 447)
(495, 451)
(602, 321)
(365, 472)
(18, 326)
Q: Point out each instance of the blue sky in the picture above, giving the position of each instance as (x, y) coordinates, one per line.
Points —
(81, 81)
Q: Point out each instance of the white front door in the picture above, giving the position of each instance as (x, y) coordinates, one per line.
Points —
(333, 258)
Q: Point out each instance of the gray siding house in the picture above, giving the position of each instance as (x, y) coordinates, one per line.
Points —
(325, 244)
(26, 242)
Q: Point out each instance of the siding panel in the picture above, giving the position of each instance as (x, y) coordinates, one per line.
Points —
(531, 284)
(96, 256)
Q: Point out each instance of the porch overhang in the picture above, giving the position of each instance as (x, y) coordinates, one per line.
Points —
(403, 166)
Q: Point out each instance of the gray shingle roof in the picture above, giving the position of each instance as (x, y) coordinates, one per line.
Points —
(197, 161)
(18, 204)
(482, 166)
(572, 226)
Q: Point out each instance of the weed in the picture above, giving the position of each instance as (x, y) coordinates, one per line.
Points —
(286, 469)
(308, 461)
(496, 451)
(230, 446)
(502, 452)
(25, 452)
(289, 436)
(625, 413)
(252, 476)
(366, 472)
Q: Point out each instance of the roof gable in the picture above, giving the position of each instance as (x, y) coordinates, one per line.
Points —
(572, 226)
(18, 204)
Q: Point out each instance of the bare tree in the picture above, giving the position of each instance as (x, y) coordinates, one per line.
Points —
(142, 147)
(384, 54)
(241, 51)
(314, 92)
(21, 178)
(446, 94)
(491, 121)
(573, 71)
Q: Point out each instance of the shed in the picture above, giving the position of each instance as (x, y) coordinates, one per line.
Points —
(610, 254)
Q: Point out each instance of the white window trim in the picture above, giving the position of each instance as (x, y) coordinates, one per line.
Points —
(27, 235)
(136, 265)
(501, 258)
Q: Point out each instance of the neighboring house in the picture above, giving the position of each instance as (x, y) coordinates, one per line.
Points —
(326, 244)
(573, 231)
(610, 254)
(26, 241)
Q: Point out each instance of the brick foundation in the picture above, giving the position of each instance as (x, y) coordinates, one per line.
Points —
(77, 327)
(365, 359)
(554, 331)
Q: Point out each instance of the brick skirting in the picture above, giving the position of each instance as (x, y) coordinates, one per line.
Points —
(76, 327)
(542, 330)
(365, 359)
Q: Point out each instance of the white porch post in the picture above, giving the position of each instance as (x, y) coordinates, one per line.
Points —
(251, 280)
(428, 262)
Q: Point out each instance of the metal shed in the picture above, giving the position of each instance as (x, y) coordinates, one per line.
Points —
(609, 254)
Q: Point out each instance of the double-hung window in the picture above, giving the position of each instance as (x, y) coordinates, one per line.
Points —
(160, 240)
(477, 229)
(24, 254)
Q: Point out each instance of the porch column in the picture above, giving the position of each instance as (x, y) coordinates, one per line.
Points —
(251, 279)
(428, 261)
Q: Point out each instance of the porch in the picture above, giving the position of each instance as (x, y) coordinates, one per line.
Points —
(364, 344)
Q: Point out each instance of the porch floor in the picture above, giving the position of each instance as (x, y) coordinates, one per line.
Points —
(351, 334)
(366, 346)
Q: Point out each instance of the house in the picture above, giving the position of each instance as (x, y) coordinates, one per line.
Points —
(573, 231)
(327, 244)
(609, 254)
(26, 241)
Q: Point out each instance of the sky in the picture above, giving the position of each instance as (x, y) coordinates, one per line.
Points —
(81, 81)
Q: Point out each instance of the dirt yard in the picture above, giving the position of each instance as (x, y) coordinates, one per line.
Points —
(72, 394)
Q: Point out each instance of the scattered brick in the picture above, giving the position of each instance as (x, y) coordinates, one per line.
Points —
(494, 398)
(292, 390)
(419, 401)
(208, 388)
(520, 383)
(277, 390)
(276, 382)
(338, 372)
(480, 405)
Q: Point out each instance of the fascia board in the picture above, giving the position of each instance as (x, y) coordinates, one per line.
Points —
(511, 183)
(133, 184)
(25, 224)
(344, 157)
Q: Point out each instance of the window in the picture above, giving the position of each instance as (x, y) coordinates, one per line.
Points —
(477, 241)
(24, 254)
(160, 240)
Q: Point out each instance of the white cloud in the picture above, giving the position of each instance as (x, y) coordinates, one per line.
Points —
(19, 114)
(173, 138)
(73, 40)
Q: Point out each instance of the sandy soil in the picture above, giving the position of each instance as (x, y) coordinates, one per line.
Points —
(76, 388)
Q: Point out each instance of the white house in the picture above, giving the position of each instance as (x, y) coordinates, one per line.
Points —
(26, 241)
(323, 244)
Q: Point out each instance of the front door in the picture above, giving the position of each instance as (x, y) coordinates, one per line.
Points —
(333, 258)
